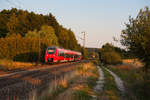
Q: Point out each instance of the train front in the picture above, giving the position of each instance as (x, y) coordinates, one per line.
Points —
(50, 55)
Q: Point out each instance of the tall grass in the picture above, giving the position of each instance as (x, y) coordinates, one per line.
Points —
(88, 76)
(134, 62)
(77, 85)
(137, 87)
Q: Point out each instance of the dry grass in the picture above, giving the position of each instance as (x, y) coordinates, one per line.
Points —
(133, 62)
(137, 87)
(111, 95)
(82, 85)
(64, 83)
(33, 81)
(87, 70)
(74, 83)
(12, 65)
(123, 67)
(128, 64)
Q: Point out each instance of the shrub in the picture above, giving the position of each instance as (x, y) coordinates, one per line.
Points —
(109, 56)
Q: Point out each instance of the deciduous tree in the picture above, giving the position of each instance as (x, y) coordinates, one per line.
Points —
(136, 36)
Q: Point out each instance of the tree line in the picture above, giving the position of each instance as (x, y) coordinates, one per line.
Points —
(20, 31)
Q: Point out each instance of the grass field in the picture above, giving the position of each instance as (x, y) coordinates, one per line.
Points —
(133, 62)
(133, 77)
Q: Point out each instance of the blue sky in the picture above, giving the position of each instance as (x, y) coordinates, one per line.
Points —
(100, 19)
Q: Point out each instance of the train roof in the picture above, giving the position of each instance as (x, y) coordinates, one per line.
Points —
(66, 50)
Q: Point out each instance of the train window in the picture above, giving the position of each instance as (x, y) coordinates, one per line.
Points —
(76, 56)
(71, 56)
(51, 50)
(67, 55)
(60, 53)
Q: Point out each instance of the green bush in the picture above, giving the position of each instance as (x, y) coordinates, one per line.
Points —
(108, 55)
(111, 58)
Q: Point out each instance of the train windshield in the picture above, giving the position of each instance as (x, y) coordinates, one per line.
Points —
(51, 50)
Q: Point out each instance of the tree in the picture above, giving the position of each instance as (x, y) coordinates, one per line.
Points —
(136, 36)
(29, 26)
(3, 20)
(12, 24)
(72, 40)
(32, 34)
(63, 38)
(108, 55)
(47, 32)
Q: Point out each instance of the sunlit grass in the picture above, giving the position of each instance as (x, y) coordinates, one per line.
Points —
(64, 83)
(137, 87)
(88, 76)
(12, 65)
(78, 85)
(134, 62)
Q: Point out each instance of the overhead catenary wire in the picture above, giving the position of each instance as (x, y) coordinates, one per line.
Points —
(12, 3)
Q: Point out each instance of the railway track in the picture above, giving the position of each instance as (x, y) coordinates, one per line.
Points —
(19, 85)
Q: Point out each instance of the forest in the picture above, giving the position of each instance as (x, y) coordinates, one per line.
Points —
(21, 31)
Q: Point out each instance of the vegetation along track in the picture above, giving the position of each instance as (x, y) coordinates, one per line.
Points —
(19, 85)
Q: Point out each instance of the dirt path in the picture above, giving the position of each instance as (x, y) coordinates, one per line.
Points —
(118, 81)
(100, 83)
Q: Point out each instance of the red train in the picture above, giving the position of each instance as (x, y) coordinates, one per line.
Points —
(56, 54)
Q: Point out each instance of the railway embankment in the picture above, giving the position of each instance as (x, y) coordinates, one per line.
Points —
(26, 85)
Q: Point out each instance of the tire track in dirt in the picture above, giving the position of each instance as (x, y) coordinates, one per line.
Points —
(118, 81)
(100, 83)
